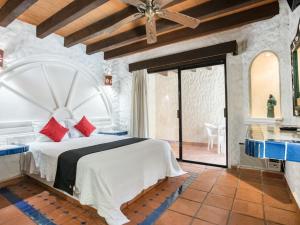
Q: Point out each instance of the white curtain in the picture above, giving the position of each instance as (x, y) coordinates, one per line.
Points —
(139, 105)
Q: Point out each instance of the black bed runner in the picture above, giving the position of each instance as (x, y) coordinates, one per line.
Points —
(67, 161)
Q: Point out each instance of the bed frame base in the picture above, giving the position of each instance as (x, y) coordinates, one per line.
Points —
(64, 196)
(86, 207)
(11, 181)
(143, 193)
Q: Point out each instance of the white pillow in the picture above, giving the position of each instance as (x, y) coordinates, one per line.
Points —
(73, 132)
(38, 126)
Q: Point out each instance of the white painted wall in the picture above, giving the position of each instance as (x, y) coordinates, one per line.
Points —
(9, 167)
(275, 35)
(120, 70)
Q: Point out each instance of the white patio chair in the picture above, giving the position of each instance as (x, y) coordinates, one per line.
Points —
(215, 132)
(212, 133)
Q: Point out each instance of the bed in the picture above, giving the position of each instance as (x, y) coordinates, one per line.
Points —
(106, 180)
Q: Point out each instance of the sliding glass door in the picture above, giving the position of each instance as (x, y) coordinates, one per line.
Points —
(163, 107)
(203, 103)
(187, 108)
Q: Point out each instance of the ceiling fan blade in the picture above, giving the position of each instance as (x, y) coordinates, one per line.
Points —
(163, 3)
(119, 24)
(136, 3)
(180, 18)
(151, 30)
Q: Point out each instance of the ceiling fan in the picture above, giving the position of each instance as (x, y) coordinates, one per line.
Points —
(150, 9)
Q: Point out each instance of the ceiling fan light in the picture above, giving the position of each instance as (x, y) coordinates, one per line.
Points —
(142, 8)
(156, 7)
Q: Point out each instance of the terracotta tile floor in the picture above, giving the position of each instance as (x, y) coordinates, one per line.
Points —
(204, 196)
(199, 153)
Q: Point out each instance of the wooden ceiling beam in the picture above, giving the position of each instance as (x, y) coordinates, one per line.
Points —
(100, 26)
(67, 15)
(201, 62)
(206, 28)
(12, 9)
(203, 11)
(184, 58)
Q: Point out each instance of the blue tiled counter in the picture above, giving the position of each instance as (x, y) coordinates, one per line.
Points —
(13, 149)
(270, 142)
(114, 132)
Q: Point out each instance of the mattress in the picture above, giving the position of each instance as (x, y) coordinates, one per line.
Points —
(106, 180)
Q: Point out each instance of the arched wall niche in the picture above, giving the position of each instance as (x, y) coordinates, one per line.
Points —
(36, 88)
(264, 79)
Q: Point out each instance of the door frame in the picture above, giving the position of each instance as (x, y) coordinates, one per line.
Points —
(213, 62)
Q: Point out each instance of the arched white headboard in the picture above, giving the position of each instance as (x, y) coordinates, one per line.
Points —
(37, 88)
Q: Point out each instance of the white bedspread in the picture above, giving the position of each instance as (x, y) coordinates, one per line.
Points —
(108, 179)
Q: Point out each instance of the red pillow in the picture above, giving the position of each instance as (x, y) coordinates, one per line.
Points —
(85, 127)
(54, 130)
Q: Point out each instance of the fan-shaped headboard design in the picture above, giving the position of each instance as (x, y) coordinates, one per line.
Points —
(40, 87)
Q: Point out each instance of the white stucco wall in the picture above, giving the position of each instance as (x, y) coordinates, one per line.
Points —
(273, 35)
(120, 69)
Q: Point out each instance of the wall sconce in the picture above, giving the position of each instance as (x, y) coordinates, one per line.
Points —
(108, 80)
(1, 58)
